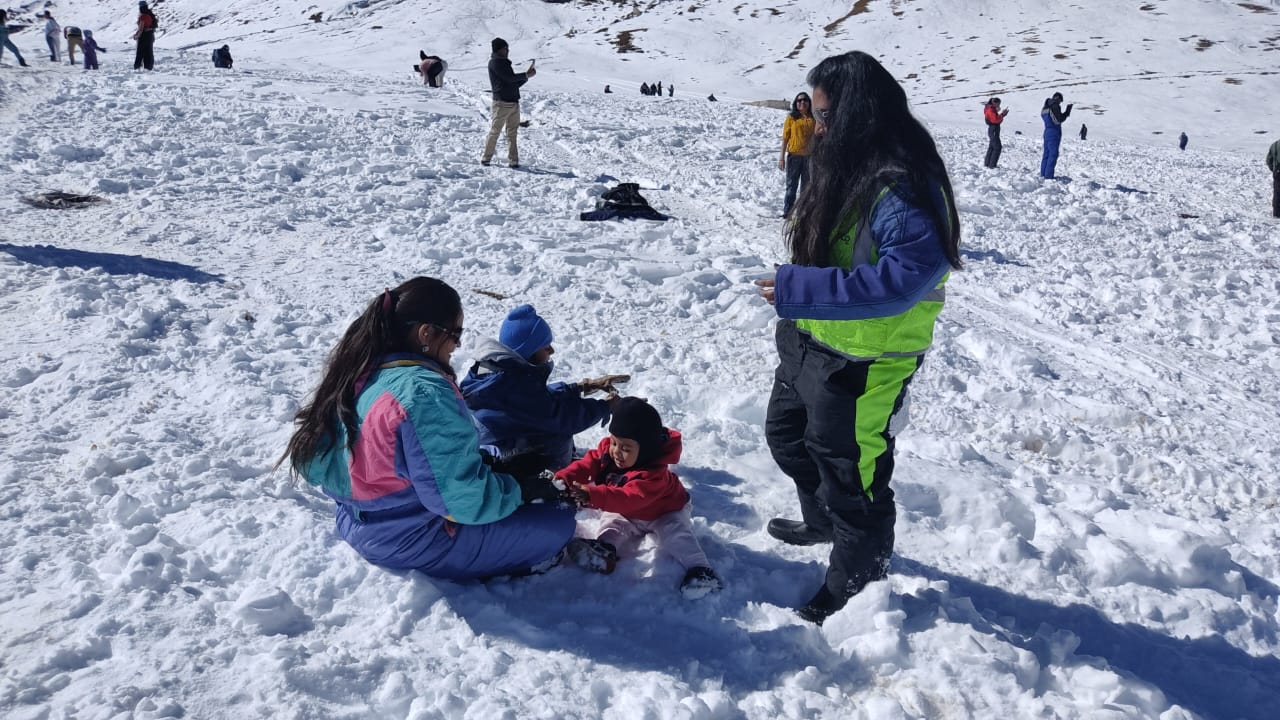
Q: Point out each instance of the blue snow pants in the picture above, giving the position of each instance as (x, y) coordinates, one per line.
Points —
(448, 551)
(1052, 139)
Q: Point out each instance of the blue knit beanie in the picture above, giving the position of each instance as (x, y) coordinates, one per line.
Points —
(525, 331)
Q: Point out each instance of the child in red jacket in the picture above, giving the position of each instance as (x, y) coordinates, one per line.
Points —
(626, 476)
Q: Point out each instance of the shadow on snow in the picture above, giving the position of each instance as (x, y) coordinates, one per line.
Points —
(50, 256)
(1207, 675)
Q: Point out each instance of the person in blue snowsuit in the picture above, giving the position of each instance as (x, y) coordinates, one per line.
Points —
(519, 413)
(388, 437)
(1053, 116)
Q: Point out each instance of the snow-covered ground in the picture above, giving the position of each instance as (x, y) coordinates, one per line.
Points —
(1088, 523)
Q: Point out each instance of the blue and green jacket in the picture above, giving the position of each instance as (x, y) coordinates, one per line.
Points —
(884, 287)
(417, 451)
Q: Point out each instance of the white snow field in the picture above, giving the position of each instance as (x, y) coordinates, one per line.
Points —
(1088, 524)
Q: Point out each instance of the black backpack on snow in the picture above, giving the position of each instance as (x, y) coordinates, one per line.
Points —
(623, 201)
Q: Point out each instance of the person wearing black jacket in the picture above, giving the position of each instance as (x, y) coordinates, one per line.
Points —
(222, 57)
(505, 84)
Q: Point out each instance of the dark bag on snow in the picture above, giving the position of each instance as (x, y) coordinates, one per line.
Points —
(622, 202)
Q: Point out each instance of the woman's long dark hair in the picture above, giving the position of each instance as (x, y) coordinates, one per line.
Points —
(384, 327)
(871, 140)
(795, 108)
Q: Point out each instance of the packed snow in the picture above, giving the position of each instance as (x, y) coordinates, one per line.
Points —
(1088, 524)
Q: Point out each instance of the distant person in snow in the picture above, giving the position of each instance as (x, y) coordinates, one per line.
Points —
(222, 57)
(505, 84)
(75, 39)
(1273, 163)
(993, 116)
(146, 37)
(1053, 116)
(797, 133)
(518, 411)
(91, 50)
(52, 35)
(712, 97)
(607, 90)
(432, 68)
(872, 243)
(671, 91)
(5, 42)
(1084, 131)
(628, 476)
(659, 93)
(387, 437)
(1182, 141)
(644, 88)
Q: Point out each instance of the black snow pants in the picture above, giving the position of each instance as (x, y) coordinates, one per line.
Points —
(145, 57)
(994, 146)
(1275, 194)
(815, 436)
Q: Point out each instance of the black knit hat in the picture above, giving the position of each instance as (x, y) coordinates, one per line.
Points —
(635, 419)
(497, 44)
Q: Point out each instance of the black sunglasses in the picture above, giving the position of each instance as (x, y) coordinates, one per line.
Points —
(454, 333)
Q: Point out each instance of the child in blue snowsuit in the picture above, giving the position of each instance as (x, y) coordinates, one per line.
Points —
(1053, 117)
(91, 50)
(518, 412)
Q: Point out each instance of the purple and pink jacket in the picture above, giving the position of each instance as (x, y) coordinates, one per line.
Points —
(418, 448)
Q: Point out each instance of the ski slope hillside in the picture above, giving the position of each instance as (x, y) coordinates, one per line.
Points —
(1087, 519)
(1142, 71)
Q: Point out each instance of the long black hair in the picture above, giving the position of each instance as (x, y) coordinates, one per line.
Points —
(871, 140)
(386, 326)
(795, 109)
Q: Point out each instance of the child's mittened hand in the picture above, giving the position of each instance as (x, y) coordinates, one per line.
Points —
(578, 495)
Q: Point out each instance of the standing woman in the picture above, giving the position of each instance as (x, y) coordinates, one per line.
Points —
(993, 115)
(797, 131)
(52, 35)
(389, 438)
(874, 239)
(146, 37)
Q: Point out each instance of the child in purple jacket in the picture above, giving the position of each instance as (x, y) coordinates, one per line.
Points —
(91, 48)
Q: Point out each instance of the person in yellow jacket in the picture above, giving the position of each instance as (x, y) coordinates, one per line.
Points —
(874, 239)
(797, 131)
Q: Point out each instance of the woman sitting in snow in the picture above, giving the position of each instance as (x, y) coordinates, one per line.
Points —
(627, 476)
(519, 413)
(388, 437)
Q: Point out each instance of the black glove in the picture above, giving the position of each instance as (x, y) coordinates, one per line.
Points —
(520, 466)
(539, 488)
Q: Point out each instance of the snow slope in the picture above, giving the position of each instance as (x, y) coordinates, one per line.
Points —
(1087, 524)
